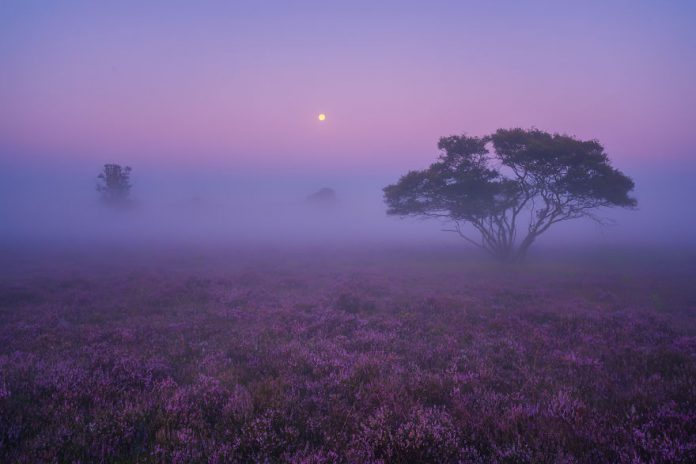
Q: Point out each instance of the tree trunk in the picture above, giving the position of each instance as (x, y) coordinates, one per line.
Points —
(521, 252)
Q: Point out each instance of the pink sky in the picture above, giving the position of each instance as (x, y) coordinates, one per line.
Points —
(241, 85)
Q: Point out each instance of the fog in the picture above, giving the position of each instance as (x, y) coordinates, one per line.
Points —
(246, 207)
(215, 108)
(242, 295)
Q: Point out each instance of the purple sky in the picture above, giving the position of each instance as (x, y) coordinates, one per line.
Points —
(237, 84)
(219, 101)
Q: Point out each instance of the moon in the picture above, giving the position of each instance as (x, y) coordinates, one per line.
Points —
(321, 116)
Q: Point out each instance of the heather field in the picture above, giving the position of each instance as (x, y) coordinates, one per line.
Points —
(344, 357)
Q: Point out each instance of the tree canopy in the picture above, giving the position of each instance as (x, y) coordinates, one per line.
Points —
(511, 186)
(114, 184)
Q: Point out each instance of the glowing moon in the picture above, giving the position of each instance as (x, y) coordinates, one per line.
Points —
(321, 117)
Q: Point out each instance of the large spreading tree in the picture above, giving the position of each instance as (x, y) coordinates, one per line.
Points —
(511, 187)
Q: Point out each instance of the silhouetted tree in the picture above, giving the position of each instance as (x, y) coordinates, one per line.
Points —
(114, 184)
(323, 197)
(526, 182)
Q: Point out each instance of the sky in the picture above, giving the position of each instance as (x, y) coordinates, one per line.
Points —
(198, 90)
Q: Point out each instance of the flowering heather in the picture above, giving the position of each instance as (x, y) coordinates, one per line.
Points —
(347, 360)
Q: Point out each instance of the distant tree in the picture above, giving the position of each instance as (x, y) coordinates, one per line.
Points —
(323, 196)
(114, 184)
(511, 186)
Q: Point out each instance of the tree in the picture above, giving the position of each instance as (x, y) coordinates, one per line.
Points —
(114, 184)
(511, 186)
(323, 197)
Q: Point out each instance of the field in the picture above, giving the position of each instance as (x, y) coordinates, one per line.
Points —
(351, 357)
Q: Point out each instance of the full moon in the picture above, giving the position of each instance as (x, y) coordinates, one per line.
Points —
(322, 116)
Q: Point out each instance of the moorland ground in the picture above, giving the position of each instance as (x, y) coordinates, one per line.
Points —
(313, 356)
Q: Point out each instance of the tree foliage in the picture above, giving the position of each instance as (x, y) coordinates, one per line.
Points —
(511, 186)
(114, 184)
